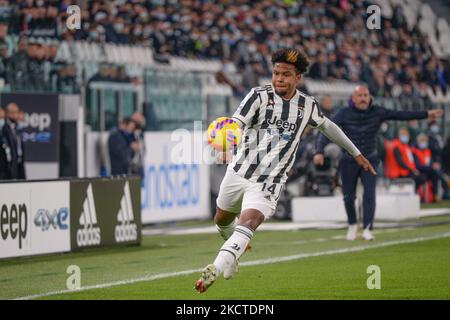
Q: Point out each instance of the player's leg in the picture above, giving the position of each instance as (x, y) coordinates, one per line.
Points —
(226, 262)
(349, 176)
(227, 259)
(369, 182)
(257, 206)
(225, 222)
(259, 203)
(229, 203)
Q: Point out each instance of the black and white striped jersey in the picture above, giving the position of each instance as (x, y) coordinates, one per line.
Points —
(272, 130)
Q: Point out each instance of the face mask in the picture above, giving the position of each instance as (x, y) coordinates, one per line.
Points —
(434, 129)
(20, 125)
(118, 27)
(423, 145)
(404, 139)
(384, 128)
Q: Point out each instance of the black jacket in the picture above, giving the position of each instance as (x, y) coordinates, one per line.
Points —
(361, 126)
(120, 152)
(13, 139)
(5, 159)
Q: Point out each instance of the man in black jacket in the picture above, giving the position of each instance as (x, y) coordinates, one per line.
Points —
(360, 122)
(122, 147)
(5, 154)
(12, 137)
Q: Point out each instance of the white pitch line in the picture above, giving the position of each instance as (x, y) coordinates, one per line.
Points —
(248, 263)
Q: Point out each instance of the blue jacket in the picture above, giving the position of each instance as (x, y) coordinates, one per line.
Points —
(361, 126)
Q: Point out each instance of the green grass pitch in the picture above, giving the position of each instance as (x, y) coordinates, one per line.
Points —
(414, 264)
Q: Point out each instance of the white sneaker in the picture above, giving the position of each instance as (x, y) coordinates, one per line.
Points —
(351, 232)
(367, 235)
(229, 272)
(209, 275)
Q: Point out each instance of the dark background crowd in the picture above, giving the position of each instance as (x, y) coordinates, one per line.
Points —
(394, 62)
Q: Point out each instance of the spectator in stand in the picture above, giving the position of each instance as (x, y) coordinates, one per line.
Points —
(327, 106)
(122, 75)
(244, 31)
(446, 158)
(17, 65)
(436, 141)
(436, 145)
(402, 164)
(423, 162)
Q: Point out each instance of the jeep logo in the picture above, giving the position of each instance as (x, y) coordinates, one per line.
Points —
(282, 124)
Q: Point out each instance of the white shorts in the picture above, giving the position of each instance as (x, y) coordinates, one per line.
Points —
(237, 194)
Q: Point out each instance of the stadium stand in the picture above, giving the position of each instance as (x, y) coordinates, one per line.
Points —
(411, 49)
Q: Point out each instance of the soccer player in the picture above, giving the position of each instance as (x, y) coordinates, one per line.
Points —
(361, 121)
(273, 118)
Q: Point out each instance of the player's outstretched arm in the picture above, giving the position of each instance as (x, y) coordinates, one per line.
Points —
(335, 134)
(433, 114)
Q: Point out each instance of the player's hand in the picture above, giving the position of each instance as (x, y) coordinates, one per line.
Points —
(434, 114)
(365, 164)
(319, 159)
(224, 157)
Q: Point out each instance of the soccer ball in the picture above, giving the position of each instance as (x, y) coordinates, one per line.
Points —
(223, 134)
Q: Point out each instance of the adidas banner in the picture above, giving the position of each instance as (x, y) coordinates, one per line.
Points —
(105, 212)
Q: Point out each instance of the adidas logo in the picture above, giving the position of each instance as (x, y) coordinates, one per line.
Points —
(89, 235)
(126, 230)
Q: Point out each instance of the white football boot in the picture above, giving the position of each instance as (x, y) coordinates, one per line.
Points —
(352, 231)
(367, 235)
(232, 269)
(209, 275)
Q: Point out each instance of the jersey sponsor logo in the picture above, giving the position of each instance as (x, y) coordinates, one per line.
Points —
(90, 234)
(126, 230)
(282, 124)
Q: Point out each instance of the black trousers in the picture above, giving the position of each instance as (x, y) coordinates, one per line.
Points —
(350, 173)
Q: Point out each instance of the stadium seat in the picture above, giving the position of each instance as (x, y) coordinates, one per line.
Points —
(64, 53)
(411, 16)
(386, 8)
